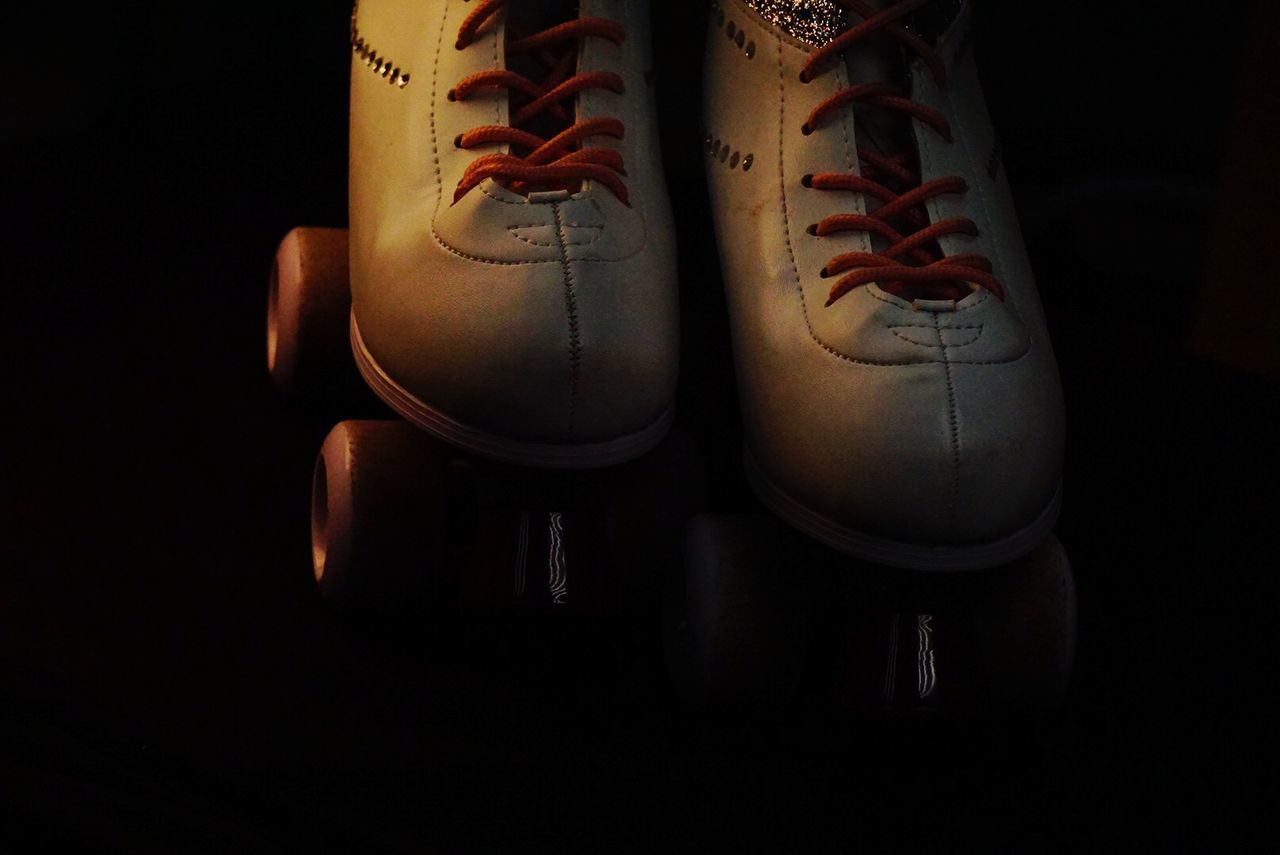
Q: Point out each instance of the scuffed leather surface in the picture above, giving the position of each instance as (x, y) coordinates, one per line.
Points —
(938, 427)
(545, 321)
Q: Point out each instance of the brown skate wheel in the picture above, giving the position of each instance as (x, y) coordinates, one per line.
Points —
(308, 317)
(736, 626)
(1028, 617)
(378, 522)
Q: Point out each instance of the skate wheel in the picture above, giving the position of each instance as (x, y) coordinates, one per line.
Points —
(735, 628)
(652, 501)
(378, 517)
(1029, 620)
(308, 316)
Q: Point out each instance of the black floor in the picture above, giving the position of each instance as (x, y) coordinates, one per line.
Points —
(171, 681)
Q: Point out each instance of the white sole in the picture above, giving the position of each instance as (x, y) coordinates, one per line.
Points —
(494, 446)
(904, 554)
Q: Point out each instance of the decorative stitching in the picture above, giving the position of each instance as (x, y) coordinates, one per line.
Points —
(435, 142)
(549, 225)
(955, 428)
(469, 257)
(532, 242)
(571, 304)
(522, 200)
(893, 328)
(497, 63)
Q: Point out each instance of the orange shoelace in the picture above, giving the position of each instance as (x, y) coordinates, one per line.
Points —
(562, 162)
(913, 264)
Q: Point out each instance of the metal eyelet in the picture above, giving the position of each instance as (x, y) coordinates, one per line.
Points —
(720, 150)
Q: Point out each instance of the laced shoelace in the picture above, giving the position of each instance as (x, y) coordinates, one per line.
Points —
(913, 264)
(561, 162)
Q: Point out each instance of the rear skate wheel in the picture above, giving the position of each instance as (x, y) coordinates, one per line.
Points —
(1029, 621)
(308, 317)
(735, 628)
(378, 518)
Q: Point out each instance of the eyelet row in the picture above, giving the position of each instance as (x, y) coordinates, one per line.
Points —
(735, 33)
(719, 150)
(381, 66)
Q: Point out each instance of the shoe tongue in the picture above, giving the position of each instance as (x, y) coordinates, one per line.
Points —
(879, 59)
(531, 16)
(526, 18)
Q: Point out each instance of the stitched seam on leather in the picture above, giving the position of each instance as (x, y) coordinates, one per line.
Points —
(435, 141)
(782, 189)
(486, 191)
(955, 429)
(533, 242)
(571, 305)
(552, 225)
(893, 328)
(497, 104)
(845, 116)
(874, 293)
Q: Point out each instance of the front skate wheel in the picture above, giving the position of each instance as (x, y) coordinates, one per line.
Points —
(378, 525)
(308, 317)
(735, 628)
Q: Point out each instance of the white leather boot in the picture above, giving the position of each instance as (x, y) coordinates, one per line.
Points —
(512, 256)
(899, 390)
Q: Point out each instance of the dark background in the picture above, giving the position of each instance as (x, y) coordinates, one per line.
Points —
(171, 681)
